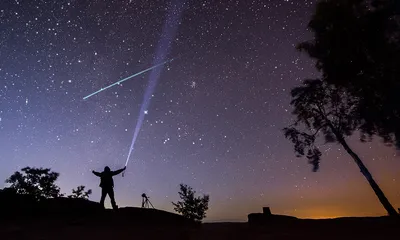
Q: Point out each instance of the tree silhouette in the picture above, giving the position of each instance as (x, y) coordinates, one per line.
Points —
(322, 108)
(356, 46)
(80, 192)
(37, 182)
(191, 207)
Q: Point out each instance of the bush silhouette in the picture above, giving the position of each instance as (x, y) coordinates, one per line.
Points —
(191, 207)
(36, 182)
(79, 192)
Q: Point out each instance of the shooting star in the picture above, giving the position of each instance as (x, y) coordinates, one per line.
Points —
(127, 78)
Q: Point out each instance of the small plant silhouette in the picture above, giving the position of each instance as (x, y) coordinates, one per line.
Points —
(80, 192)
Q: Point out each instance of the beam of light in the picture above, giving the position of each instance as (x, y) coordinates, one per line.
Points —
(169, 31)
(127, 78)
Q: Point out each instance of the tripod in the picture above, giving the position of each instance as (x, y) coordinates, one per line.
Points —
(146, 202)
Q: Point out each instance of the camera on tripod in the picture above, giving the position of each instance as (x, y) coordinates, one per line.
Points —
(146, 202)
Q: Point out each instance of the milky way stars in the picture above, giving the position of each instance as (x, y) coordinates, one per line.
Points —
(215, 116)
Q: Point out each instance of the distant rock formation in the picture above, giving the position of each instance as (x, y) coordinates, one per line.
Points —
(266, 217)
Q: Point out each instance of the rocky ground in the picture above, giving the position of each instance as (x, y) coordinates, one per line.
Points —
(77, 219)
(131, 223)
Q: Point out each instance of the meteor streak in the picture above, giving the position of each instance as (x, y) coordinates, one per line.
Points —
(127, 78)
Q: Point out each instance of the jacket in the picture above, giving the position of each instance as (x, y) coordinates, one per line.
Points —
(106, 180)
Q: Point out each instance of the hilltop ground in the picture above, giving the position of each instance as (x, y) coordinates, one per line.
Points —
(76, 219)
(313, 229)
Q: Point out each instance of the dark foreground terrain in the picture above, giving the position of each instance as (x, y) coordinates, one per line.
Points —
(318, 229)
(76, 219)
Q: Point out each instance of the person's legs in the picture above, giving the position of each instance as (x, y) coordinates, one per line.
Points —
(103, 197)
(111, 194)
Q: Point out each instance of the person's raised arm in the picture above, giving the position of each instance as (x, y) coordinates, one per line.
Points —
(96, 173)
(118, 171)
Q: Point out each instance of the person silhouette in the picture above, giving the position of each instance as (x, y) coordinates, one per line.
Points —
(107, 184)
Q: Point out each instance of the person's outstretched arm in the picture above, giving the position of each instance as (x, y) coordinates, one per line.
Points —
(118, 171)
(96, 173)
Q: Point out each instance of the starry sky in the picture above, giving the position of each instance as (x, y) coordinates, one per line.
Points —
(214, 120)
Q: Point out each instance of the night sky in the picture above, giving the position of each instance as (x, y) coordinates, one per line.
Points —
(215, 118)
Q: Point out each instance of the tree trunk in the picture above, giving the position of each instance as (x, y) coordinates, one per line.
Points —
(382, 198)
